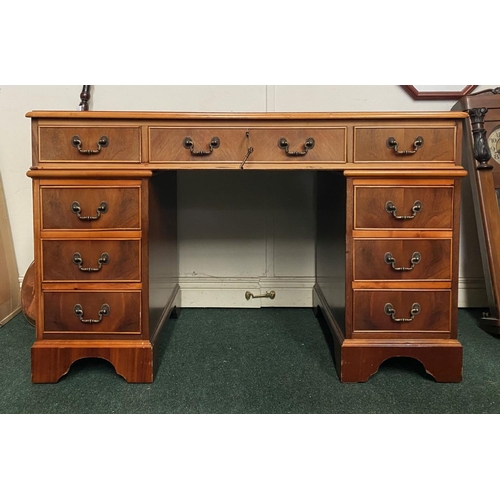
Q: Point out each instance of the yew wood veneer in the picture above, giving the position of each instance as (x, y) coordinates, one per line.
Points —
(105, 229)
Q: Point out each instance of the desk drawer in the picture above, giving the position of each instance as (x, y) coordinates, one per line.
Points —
(303, 145)
(92, 312)
(406, 207)
(270, 145)
(109, 208)
(185, 145)
(88, 260)
(380, 144)
(402, 259)
(383, 310)
(89, 144)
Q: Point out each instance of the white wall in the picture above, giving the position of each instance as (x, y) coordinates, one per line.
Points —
(238, 231)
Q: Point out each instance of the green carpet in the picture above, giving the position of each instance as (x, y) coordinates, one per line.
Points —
(270, 360)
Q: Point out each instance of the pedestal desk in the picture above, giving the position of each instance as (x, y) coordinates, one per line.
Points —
(388, 208)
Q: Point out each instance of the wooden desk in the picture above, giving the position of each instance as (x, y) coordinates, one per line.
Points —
(388, 208)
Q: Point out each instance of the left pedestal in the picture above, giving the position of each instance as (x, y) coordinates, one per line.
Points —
(92, 236)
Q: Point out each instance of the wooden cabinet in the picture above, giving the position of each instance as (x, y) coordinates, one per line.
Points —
(388, 207)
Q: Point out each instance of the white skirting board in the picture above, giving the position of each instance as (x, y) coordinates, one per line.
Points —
(472, 293)
(230, 292)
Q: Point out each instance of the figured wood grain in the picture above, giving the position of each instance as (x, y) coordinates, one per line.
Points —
(55, 144)
(123, 207)
(435, 262)
(123, 263)
(370, 144)
(166, 144)
(370, 203)
(124, 316)
(434, 316)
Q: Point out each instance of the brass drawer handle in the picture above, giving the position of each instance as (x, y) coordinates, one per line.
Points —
(390, 260)
(104, 311)
(103, 142)
(268, 295)
(283, 144)
(390, 311)
(103, 260)
(391, 208)
(188, 143)
(77, 209)
(417, 144)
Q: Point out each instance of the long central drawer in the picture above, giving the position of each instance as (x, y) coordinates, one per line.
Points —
(231, 145)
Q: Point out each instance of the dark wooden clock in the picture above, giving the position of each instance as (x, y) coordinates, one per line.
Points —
(481, 157)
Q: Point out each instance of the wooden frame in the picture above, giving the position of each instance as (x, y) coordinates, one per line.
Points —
(438, 92)
(10, 293)
(484, 174)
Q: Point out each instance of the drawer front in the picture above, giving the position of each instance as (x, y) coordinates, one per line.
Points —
(409, 207)
(404, 144)
(380, 310)
(270, 145)
(92, 312)
(107, 208)
(402, 259)
(185, 145)
(305, 145)
(87, 260)
(90, 144)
